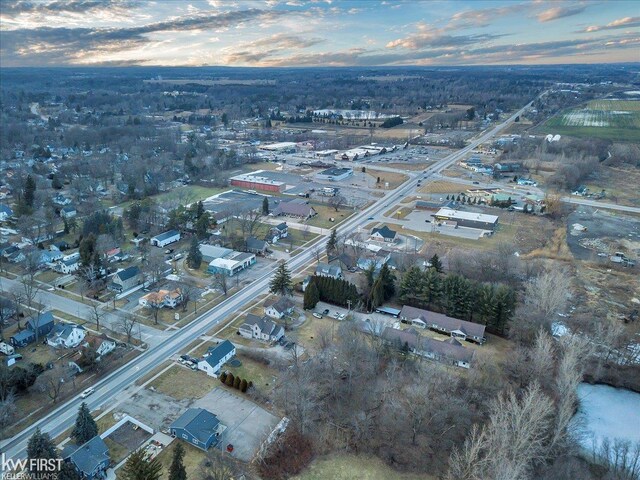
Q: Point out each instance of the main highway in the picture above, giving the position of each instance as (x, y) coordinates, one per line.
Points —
(111, 387)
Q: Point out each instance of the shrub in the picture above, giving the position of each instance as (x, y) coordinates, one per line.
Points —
(243, 385)
(229, 380)
(223, 377)
(288, 457)
(236, 383)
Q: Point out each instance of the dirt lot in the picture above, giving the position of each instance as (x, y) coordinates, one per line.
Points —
(248, 425)
(394, 179)
(620, 184)
(125, 440)
(155, 409)
(442, 186)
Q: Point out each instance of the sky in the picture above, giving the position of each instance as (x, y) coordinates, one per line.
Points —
(283, 33)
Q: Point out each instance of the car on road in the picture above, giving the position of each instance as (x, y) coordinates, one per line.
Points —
(370, 218)
(476, 183)
(87, 392)
(325, 311)
(317, 315)
(342, 316)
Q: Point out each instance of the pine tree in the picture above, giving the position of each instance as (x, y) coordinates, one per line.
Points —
(388, 282)
(194, 257)
(199, 209)
(177, 470)
(229, 380)
(332, 243)
(435, 262)
(265, 206)
(68, 472)
(40, 446)
(29, 192)
(223, 377)
(281, 284)
(138, 468)
(376, 296)
(244, 385)
(411, 286)
(236, 383)
(85, 428)
(431, 291)
(202, 225)
(311, 296)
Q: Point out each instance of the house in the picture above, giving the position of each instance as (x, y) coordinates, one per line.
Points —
(232, 264)
(259, 247)
(91, 460)
(68, 212)
(67, 265)
(216, 357)
(165, 238)
(126, 279)
(278, 308)
(35, 327)
(326, 270)
(447, 351)
(199, 427)
(5, 212)
(458, 329)
(375, 260)
(105, 348)
(294, 208)
(261, 329)
(162, 298)
(383, 234)
(282, 230)
(66, 335)
(61, 200)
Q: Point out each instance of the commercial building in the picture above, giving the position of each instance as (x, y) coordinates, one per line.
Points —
(335, 174)
(165, 238)
(232, 263)
(279, 147)
(255, 181)
(467, 219)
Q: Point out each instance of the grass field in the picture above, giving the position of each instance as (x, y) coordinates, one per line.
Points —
(394, 179)
(183, 383)
(352, 467)
(441, 186)
(261, 375)
(609, 119)
(193, 456)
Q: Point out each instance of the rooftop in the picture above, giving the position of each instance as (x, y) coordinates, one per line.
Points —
(458, 214)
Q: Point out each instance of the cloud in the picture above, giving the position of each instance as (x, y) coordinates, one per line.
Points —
(625, 22)
(428, 36)
(560, 12)
(484, 17)
(258, 50)
(12, 8)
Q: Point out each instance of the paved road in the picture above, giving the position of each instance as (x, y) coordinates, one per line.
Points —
(597, 204)
(149, 335)
(113, 385)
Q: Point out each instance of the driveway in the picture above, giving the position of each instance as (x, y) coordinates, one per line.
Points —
(248, 425)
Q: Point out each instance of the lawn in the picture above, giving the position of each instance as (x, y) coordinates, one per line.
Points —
(260, 374)
(183, 383)
(325, 212)
(182, 195)
(441, 186)
(192, 458)
(394, 179)
(351, 467)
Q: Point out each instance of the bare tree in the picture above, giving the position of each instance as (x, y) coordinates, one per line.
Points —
(155, 304)
(96, 314)
(126, 324)
(52, 382)
(155, 266)
(337, 202)
(317, 253)
(248, 221)
(221, 281)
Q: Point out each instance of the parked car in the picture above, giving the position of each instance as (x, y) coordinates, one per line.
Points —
(476, 183)
(336, 315)
(317, 315)
(87, 392)
(325, 311)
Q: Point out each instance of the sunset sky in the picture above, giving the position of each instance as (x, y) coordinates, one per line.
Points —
(278, 33)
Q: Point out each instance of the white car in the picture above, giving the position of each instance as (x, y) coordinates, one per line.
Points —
(87, 392)
(317, 315)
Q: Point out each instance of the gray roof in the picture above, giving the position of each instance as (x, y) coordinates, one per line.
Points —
(450, 348)
(265, 324)
(281, 304)
(448, 323)
(218, 352)
(166, 235)
(40, 321)
(282, 226)
(293, 208)
(407, 337)
(63, 330)
(199, 422)
(128, 273)
(87, 457)
(385, 231)
(254, 244)
(213, 251)
(328, 270)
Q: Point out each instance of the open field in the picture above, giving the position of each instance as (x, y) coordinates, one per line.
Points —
(394, 179)
(209, 83)
(325, 212)
(609, 119)
(619, 183)
(261, 375)
(349, 467)
(183, 383)
(442, 186)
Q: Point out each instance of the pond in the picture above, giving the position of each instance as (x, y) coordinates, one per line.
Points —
(606, 413)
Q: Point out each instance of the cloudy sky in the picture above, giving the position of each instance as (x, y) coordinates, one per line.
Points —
(316, 32)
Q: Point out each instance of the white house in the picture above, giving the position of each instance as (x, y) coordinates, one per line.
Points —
(66, 335)
(216, 357)
(5, 212)
(106, 347)
(67, 265)
(278, 307)
(68, 212)
(165, 238)
(261, 329)
(162, 298)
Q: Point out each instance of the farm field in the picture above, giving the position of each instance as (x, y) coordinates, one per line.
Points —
(610, 119)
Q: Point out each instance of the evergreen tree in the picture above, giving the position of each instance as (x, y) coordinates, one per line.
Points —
(177, 470)
(29, 192)
(265, 206)
(435, 262)
(202, 225)
(85, 428)
(87, 250)
(431, 291)
(138, 468)
(411, 286)
(376, 296)
(40, 445)
(311, 296)
(388, 282)
(194, 257)
(244, 385)
(370, 274)
(68, 472)
(199, 210)
(332, 243)
(280, 284)
(229, 380)
(504, 305)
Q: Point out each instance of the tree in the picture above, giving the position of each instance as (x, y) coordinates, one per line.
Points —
(177, 470)
(194, 257)
(138, 468)
(126, 324)
(202, 225)
(97, 314)
(332, 243)
(265, 206)
(52, 382)
(311, 296)
(221, 281)
(28, 195)
(40, 446)
(337, 202)
(281, 282)
(85, 428)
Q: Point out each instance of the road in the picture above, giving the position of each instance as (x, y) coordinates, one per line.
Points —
(597, 204)
(112, 386)
(77, 309)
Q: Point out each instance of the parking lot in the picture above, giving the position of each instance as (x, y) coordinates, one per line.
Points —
(248, 425)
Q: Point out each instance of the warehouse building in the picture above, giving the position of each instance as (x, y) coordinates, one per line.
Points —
(467, 219)
(255, 181)
(335, 174)
(280, 147)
